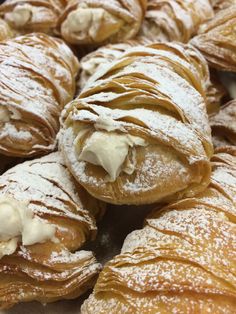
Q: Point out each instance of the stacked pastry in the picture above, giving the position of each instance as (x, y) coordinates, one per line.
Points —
(37, 75)
(131, 130)
(44, 220)
(173, 20)
(183, 260)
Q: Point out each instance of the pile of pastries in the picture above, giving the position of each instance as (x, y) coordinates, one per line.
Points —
(126, 103)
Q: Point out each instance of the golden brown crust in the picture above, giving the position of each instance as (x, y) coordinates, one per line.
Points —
(96, 22)
(183, 260)
(216, 40)
(153, 92)
(29, 16)
(49, 271)
(37, 79)
(172, 20)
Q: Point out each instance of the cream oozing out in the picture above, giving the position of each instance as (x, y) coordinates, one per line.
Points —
(20, 15)
(109, 149)
(18, 224)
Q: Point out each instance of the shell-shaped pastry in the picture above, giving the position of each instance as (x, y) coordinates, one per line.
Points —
(37, 75)
(96, 22)
(217, 40)
(27, 16)
(223, 125)
(44, 222)
(175, 20)
(140, 121)
(183, 260)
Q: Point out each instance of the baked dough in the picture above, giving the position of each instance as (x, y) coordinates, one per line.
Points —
(44, 223)
(217, 40)
(175, 20)
(96, 22)
(6, 31)
(29, 16)
(183, 260)
(37, 75)
(150, 103)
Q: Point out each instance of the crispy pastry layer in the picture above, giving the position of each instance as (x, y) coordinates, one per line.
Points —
(37, 78)
(154, 93)
(183, 260)
(96, 22)
(49, 271)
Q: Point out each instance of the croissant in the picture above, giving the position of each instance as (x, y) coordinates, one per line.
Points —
(138, 133)
(175, 20)
(96, 22)
(217, 40)
(223, 125)
(183, 260)
(105, 54)
(5, 30)
(44, 223)
(29, 16)
(37, 79)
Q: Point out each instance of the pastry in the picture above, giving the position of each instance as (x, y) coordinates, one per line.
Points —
(96, 22)
(217, 40)
(105, 54)
(139, 133)
(37, 75)
(5, 30)
(223, 125)
(222, 4)
(183, 260)
(29, 16)
(44, 223)
(175, 20)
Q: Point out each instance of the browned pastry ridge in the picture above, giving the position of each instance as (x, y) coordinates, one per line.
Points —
(175, 20)
(51, 268)
(223, 125)
(37, 78)
(96, 22)
(217, 40)
(138, 133)
(29, 16)
(222, 4)
(183, 260)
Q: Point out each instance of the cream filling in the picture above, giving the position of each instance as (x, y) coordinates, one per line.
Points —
(88, 20)
(4, 114)
(18, 221)
(110, 150)
(20, 15)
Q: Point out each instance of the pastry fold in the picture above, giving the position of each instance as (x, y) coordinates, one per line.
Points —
(222, 4)
(145, 116)
(96, 22)
(183, 260)
(27, 16)
(223, 125)
(54, 268)
(175, 20)
(217, 40)
(37, 78)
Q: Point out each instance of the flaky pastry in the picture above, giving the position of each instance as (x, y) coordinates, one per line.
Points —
(183, 260)
(29, 16)
(138, 133)
(37, 75)
(44, 221)
(223, 125)
(175, 20)
(96, 22)
(217, 40)
(222, 4)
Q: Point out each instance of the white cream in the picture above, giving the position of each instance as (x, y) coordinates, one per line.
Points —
(20, 15)
(106, 123)
(18, 223)
(4, 114)
(110, 150)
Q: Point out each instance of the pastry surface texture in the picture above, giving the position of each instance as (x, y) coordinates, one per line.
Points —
(37, 75)
(183, 260)
(96, 21)
(44, 222)
(139, 132)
